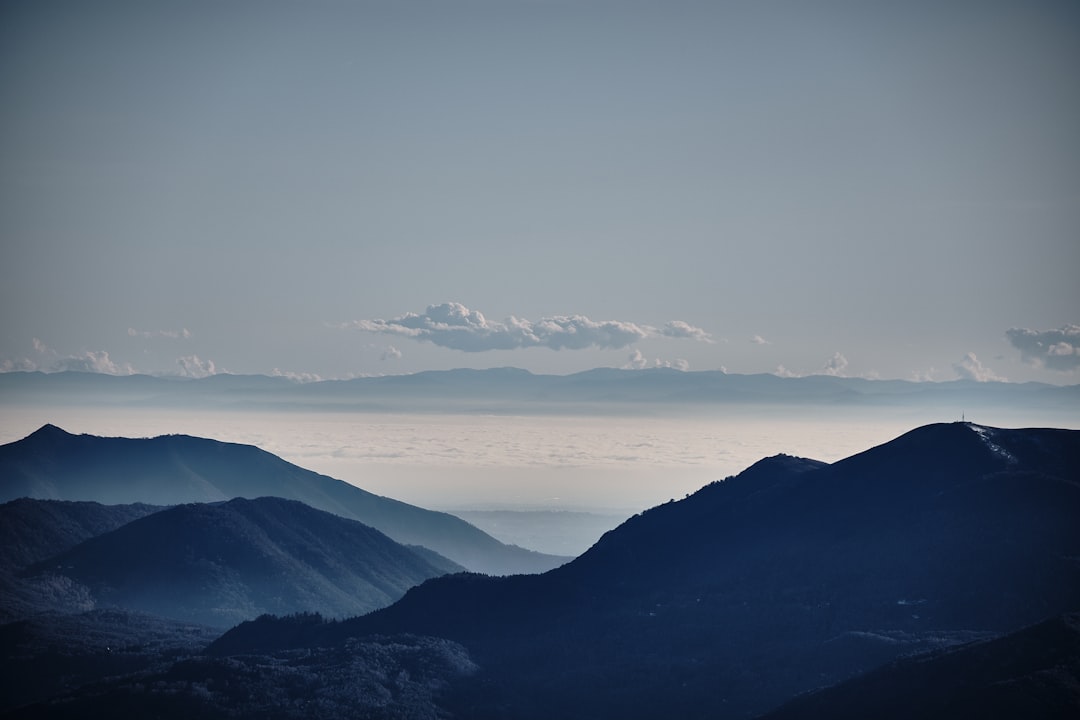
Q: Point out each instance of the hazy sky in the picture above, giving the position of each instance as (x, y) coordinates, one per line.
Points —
(887, 188)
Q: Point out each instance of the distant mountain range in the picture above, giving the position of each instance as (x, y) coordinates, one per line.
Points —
(221, 563)
(791, 576)
(53, 464)
(514, 390)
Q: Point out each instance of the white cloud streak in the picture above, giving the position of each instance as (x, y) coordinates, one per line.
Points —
(452, 325)
(680, 329)
(1053, 349)
(182, 334)
(296, 377)
(971, 368)
(638, 361)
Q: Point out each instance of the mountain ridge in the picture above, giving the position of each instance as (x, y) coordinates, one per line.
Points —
(768, 584)
(516, 390)
(218, 564)
(177, 469)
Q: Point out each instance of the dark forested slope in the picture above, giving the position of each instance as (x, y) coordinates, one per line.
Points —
(218, 564)
(791, 576)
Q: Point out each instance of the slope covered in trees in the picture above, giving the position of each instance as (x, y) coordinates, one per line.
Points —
(788, 577)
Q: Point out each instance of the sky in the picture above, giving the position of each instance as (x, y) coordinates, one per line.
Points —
(336, 188)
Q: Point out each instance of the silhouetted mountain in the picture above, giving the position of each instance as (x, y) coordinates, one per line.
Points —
(169, 470)
(219, 564)
(791, 576)
(1034, 672)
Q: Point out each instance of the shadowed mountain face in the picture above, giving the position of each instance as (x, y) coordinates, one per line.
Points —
(791, 576)
(32, 530)
(219, 564)
(1034, 672)
(170, 470)
(49, 653)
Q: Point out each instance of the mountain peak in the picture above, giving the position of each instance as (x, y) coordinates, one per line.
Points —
(49, 431)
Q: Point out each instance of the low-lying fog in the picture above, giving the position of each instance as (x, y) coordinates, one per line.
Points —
(602, 463)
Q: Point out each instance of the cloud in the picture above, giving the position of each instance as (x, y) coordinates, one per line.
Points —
(390, 353)
(297, 377)
(93, 362)
(923, 376)
(90, 361)
(836, 365)
(193, 367)
(676, 364)
(680, 329)
(758, 340)
(638, 361)
(1053, 349)
(19, 364)
(183, 333)
(452, 325)
(970, 368)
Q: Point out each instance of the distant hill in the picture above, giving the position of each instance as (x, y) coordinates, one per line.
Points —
(218, 564)
(791, 576)
(53, 464)
(1034, 672)
(515, 390)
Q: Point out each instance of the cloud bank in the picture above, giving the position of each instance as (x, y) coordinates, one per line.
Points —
(89, 361)
(1053, 349)
(452, 325)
